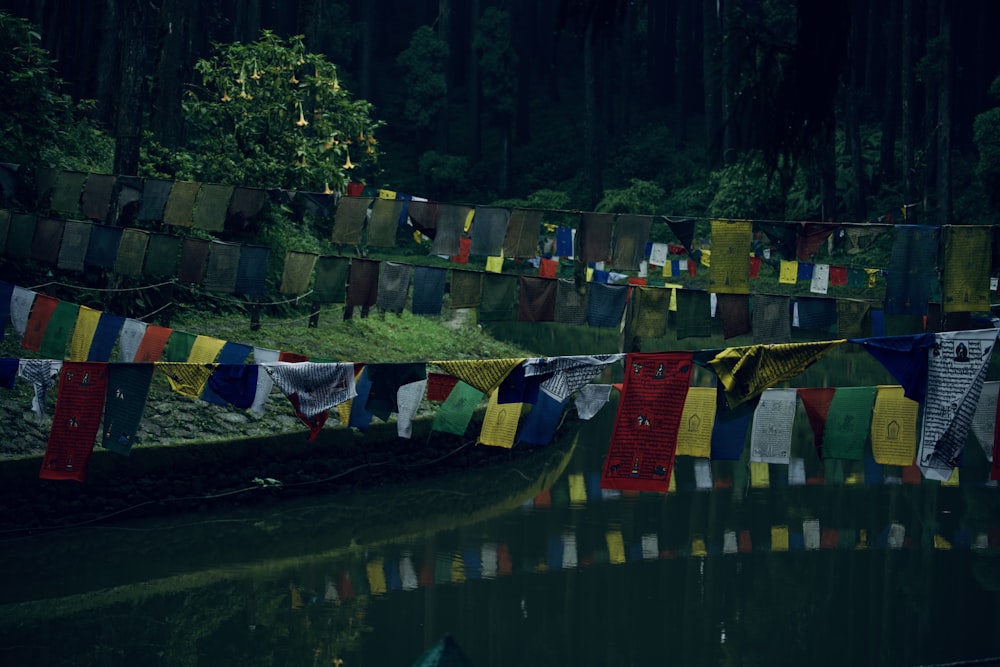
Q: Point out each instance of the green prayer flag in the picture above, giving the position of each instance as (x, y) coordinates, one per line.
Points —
(455, 413)
(211, 206)
(180, 203)
(331, 279)
(58, 330)
(66, 195)
(178, 347)
(848, 423)
(131, 251)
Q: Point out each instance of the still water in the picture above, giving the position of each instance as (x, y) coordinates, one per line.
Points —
(533, 564)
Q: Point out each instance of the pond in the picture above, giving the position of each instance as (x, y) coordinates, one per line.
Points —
(533, 564)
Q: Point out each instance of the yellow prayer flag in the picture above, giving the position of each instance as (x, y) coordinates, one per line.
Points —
(83, 333)
(730, 272)
(457, 569)
(500, 423)
(494, 264)
(577, 490)
(376, 577)
(789, 273)
(694, 437)
(706, 258)
(386, 194)
(616, 547)
(779, 538)
(760, 475)
(698, 547)
(344, 411)
(894, 427)
(483, 374)
(186, 379)
(673, 287)
(952, 480)
(205, 350)
(873, 275)
(468, 219)
(590, 274)
(672, 484)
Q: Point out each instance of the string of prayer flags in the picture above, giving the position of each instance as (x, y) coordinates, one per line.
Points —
(349, 220)
(848, 423)
(771, 435)
(594, 236)
(730, 269)
(572, 302)
(455, 413)
(644, 439)
(450, 228)
(894, 427)
(428, 290)
(179, 209)
(956, 370)
(745, 372)
(772, 321)
(210, 207)
(330, 284)
(523, 230)
(393, 287)
(816, 402)
(79, 407)
(966, 277)
(606, 305)
(125, 401)
(631, 233)
(489, 230)
(362, 286)
(694, 437)
(537, 302)
(500, 423)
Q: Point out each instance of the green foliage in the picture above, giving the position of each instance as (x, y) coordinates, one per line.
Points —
(497, 62)
(747, 189)
(39, 125)
(423, 65)
(641, 197)
(271, 113)
(544, 199)
(445, 175)
(986, 132)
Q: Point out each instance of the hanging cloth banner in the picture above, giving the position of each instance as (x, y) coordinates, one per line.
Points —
(194, 254)
(565, 241)
(816, 314)
(848, 423)
(982, 422)
(330, 285)
(313, 388)
(772, 319)
(393, 286)
(20, 234)
(262, 355)
(210, 207)
(894, 427)
(408, 399)
(102, 251)
(631, 237)
(67, 192)
(161, 255)
(816, 401)
(45, 244)
(730, 269)
(131, 251)
(223, 266)
(73, 249)
(537, 302)
(384, 222)
(178, 346)
(912, 263)
(104, 337)
(788, 273)
(966, 277)
(523, 231)
(500, 298)
(821, 279)
(297, 272)
(771, 435)
(694, 314)
(231, 355)
(133, 331)
(349, 220)
(362, 288)
(683, 229)
(251, 274)
(387, 379)
(205, 350)
(450, 227)
(694, 437)
(455, 413)
(572, 302)
(745, 372)
(593, 237)
(500, 423)
(540, 425)
(569, 373)
(956, 370)
(483, 374)
(428, 290)
(644, 440)
(79, 407)
(42, 374)
(606, 305)
(734, 311)
(154, 199)
(466, 289)
(729, 436)
(590, 399)
(125, 401)
(186, 379)
(21, 301)
(423, 215)
(154, 340)
(245, 205)
(41, 312)
(180, 204)
(489, 229)
(650, 307)
(58, 331)
(810, 237)
(96, 198)
(233, 384)
(905, 357)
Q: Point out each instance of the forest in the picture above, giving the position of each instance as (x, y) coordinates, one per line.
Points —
(762, 109)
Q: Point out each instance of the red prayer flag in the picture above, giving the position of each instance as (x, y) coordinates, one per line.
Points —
(838, 275)
(755, 267)
(439, 386)
(635, 280)
(79, 408)
(548, 268)
(41, 313)
(464, 246)
(151, 346)
(355, 189)
(644, 439)
(292, 357)
(816, 401)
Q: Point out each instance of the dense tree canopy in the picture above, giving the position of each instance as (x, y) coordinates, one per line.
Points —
(839, 110)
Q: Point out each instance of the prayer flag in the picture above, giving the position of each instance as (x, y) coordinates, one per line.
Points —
(450, 227)
(500, 423)
(179, 209)
(125, 401)
(816, 401)
(58, 330)
(67, 192)
(730, 269)
(349, 220)
(483, 374)
(649, 319)
(161, 255)
(572, 302)
(41, 312)
(102, 250)
(428, 290)
(384, 222)
(131, 252)
(362, 288)
(154, 199)
(97, 196)
(789, 272)
(73, 249)
(297, 271)
(499, 299)
(79, 406)
(848, 423)
(771, 435)
(194, 254)
(594, 236)
(330, 285)
(820, 279)
(466, 289)
(393, 286)
(694, 314)
(734, 311)
(489, 229)
(644, 440)
(966, 278)
(132, 333)
(523, 229)
(455, 413)
(251, 272)
(186, 379)
(45, 244)
(631, 234)
(223, 266)
(694, 438)
(911, 263)
(211, 205)
(154, 340)
(905, 357)
(606, 305)
(537, 299)
(772, 321)
(894, 427)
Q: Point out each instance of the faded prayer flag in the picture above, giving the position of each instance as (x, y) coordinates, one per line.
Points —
(730, 269)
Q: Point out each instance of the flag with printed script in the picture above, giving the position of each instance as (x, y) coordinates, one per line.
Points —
(966, 277)
(644, 439)
(455, 413)
(894, 427)
(694, 437)
(125, 401)
(848, 423)
(77, 418)
(730, 269)
(771, 433)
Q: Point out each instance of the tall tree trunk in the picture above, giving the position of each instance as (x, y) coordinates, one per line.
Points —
(475, 122)
(591, 120)
(627, 64)
(854, 93)
(131, 91)
(944, 118)
(683, 66)
(108, 69)
(906, 95)
(826, 158)
(526, 37)
(368, 20)
(711, 35)
(930, 110)
(166, 119)
(891, 99)
(444, 33)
